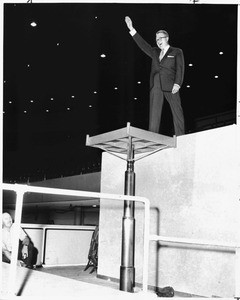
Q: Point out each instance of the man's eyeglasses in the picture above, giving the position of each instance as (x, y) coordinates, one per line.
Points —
(160, 38)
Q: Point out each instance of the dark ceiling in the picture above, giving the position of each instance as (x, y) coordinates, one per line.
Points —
(58, 88)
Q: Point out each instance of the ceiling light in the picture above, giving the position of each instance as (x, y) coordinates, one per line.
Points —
(190, 65)
(90, 105)
(135, 98)
(188, 86)
(68, 108)
(31, 101)
(139, 82)
(25, 111)
(51, 99)
(221, 53)
(10, 102)
(103, 55)
(216, 76)
(95, 92)
(72, 96)
(33, 24)
(115, 88)
(47, 110)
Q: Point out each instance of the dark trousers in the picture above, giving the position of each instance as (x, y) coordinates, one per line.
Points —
(28, 260)
(155, 110)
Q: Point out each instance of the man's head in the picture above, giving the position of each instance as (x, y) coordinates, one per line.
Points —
(162, 38)
(6, 220)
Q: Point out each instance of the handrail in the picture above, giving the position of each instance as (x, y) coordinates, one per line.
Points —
(20, 189)
(214, 245)
(196, 242)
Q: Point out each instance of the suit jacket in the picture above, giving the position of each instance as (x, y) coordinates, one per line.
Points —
(170, 68)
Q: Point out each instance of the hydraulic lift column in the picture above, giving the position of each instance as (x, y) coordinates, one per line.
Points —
(130, 141)
(127, 270)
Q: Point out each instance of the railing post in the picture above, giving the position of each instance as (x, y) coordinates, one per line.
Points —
(237, 273)
(129, 230)
(43, 246)
(14, 256)
(146, 242)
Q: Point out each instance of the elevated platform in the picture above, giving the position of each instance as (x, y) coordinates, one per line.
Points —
(143, 141)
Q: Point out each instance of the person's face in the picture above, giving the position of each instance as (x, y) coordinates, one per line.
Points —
(161, 40)
(7, 220)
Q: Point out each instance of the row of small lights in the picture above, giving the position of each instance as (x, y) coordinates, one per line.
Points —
(95, 92)
(68, 108)
(115, 88)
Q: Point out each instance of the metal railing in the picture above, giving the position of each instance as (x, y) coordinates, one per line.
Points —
(210, 245)
(22, 189)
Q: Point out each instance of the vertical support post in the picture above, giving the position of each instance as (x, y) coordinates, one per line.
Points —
(146, 247)
(127, 270)
(237, 274)
(14, 256)
(78, 215)
(43, 246)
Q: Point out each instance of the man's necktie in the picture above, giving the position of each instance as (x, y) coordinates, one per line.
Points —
(161, 55)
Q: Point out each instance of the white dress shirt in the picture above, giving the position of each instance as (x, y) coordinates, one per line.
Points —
(8, 237)
(163, 52)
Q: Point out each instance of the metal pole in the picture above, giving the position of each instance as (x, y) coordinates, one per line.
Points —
(13, 264)
(237, 273)
(127, 270)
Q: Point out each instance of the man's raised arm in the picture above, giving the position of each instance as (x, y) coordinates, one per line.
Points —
(130, 25)
(142, 44)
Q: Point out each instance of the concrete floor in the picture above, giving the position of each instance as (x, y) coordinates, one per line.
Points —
(40, 284)
(68, 283)
(78, 273)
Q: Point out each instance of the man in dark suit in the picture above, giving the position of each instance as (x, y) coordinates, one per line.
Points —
(166, 78)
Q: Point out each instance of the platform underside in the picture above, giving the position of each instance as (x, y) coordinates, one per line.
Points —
(142, 140)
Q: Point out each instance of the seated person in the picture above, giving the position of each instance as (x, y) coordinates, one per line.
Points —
(25, 250)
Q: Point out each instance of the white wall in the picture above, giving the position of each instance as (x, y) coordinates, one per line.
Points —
(60, 244)
(194, 193)
(65, 247)
(86, 182)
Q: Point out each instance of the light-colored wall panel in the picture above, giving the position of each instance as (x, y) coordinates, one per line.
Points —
(60, 244)
(194, 193)
(65, 247)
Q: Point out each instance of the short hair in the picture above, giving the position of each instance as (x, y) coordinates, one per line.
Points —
(163, 31)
